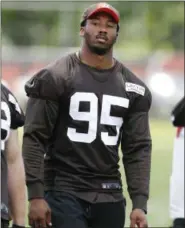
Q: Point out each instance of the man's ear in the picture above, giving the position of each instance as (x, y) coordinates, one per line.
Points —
(82, 31)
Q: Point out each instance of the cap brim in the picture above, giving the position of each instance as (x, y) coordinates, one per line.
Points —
(109, 11)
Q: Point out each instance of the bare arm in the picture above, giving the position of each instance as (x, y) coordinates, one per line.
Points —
(16, 180)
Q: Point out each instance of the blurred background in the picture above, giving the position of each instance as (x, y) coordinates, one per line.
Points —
(151, 44)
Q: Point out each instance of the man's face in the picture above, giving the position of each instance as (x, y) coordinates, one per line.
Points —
(100, 33)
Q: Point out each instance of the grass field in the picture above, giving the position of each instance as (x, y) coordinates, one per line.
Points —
(158, 205)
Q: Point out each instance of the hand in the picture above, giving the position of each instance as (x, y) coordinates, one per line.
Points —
(39, 213)
(138, 219)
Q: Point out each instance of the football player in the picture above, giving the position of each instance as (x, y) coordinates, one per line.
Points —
(13, 191)
(80, 109)
(177, 177)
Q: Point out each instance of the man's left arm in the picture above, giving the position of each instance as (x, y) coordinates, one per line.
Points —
(16, 180)
(136, 147)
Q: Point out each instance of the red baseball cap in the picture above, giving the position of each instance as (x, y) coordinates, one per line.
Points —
(100, 7)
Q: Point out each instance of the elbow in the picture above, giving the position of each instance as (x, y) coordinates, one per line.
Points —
(34, 144)
(137, 151)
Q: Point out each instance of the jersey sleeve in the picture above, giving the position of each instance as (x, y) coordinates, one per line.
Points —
(17, 115)
(51, 82)
(136, 147)
(42, 86)
(41, 116)
(44, 90)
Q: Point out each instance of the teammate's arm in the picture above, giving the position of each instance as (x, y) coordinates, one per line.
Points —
(136, 147)
(15, 167)
(178, 113)
(16, 179)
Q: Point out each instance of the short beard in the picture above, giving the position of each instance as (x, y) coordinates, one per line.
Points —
(99, 51)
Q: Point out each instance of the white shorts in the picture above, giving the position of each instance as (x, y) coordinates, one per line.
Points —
(177, 177)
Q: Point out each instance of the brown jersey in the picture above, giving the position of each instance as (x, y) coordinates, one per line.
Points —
(77, 116)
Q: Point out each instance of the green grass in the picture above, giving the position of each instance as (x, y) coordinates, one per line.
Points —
(158, 206)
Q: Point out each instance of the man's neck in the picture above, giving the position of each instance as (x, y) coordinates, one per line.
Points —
(97, 61)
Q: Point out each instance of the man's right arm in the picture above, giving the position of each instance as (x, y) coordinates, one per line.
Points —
(39, 122)
(40, 119)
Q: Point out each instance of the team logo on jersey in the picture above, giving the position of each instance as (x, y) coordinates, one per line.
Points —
(131, 87)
